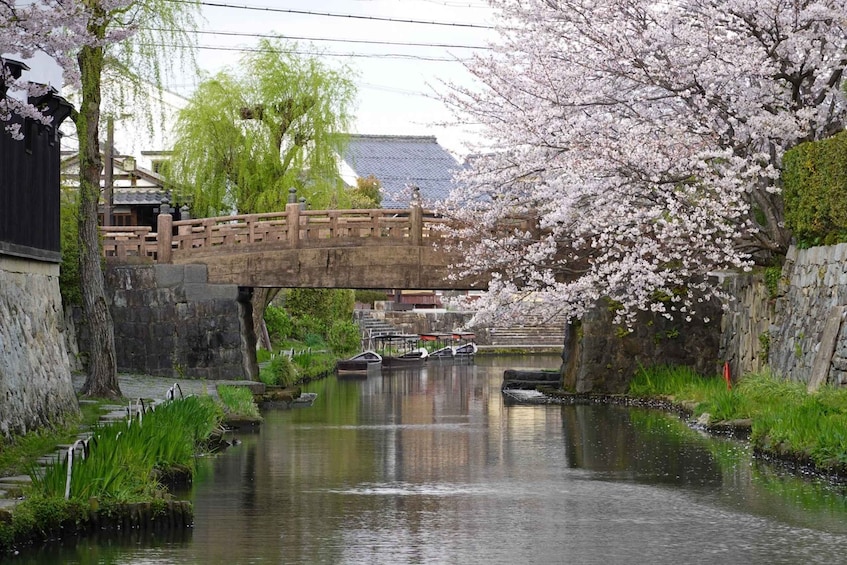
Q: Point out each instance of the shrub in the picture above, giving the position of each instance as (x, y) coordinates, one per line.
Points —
(281, 371)
(343, 337)
(322, 304)
(279, 323)
(314, 340)
(814, 179)
(308, 325)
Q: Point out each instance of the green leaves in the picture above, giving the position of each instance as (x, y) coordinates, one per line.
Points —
(250, 134)
(814, 176)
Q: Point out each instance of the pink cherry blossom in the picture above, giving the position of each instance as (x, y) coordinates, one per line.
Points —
(644, 140)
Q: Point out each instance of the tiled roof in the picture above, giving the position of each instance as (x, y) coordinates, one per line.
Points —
(400, 162)
(128, 196)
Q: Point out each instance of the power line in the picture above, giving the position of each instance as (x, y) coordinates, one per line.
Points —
(330, 39)
(334, 15)
(444, 3)
(320, 53)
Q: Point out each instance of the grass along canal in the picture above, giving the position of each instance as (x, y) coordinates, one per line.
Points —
(112, 475)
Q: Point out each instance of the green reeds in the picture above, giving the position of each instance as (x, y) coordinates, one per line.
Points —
(281, 371)
(313, 364)
(680, 383)
(787, 420)
(123, 456)
(238, 402)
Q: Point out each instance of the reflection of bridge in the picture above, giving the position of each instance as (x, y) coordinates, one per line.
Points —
(300, 248)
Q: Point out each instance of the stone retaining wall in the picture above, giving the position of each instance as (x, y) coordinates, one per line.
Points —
(605, 356)
(170, 322)
(799, 333)
(746, 324)
(808, 340)
(35, 378)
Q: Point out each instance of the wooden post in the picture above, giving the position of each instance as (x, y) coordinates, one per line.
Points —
(109, 172)
(164, 236)
(416, 224)
(292, 220)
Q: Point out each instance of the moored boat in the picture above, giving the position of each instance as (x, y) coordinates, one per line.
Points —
(445, 352)
(467, 349)
(413, 358)
(365, 363)
(401, 350)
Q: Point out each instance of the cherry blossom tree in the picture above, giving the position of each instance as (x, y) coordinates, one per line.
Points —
(51, 26)
(88, 38)
(641, 143)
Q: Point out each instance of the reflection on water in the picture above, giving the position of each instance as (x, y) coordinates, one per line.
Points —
(429, 466)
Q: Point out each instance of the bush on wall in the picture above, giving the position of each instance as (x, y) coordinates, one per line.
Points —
(814, 178)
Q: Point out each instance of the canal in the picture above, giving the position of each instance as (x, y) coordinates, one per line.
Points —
(430, 466)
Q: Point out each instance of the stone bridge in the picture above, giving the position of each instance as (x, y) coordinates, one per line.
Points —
(377, 249)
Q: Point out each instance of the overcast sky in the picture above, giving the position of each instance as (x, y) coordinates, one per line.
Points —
(395, 82)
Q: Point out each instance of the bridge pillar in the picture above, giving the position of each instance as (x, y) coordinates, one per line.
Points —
(164, 237)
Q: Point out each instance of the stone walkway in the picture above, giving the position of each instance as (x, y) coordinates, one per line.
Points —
(134, 387)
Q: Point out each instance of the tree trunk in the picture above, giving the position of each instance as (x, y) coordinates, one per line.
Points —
(261, 298)
(102, 380)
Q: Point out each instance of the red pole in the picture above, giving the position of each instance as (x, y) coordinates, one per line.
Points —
(726, 375)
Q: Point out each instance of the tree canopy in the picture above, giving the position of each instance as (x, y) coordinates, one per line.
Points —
(88, 39)
(250, 134)
(645, 139)
(55, 28)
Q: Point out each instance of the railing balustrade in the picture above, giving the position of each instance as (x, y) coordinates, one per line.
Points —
(290, 229)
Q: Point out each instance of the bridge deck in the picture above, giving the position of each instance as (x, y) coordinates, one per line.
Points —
(376, 248)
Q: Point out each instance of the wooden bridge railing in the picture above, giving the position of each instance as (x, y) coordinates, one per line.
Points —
(314, 228)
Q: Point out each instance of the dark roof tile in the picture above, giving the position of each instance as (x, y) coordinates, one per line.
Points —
(400, 162)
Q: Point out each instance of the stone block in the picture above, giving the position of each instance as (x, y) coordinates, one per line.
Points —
(169, 275)
(205, 292)
(35, 379)
(195, 274)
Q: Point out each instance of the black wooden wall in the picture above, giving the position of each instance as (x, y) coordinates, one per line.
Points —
(30, 193)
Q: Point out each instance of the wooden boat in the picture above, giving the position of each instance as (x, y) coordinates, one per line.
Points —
(445, 352)
(413, 358)
(466, 349)
(365, 363)
(440, 344)
(401, 350)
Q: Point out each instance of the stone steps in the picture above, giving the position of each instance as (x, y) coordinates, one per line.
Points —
(548, 335)
(371, 326)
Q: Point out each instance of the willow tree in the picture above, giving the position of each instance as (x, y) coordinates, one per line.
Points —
(250, 134)
(124, 45)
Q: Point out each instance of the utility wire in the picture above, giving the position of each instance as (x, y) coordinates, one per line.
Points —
(329, 39)
(320, 53)
(332, 15)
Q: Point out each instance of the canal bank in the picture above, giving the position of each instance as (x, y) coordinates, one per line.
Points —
(783, 423)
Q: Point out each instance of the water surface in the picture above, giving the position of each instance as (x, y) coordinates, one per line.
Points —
(430, 466)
